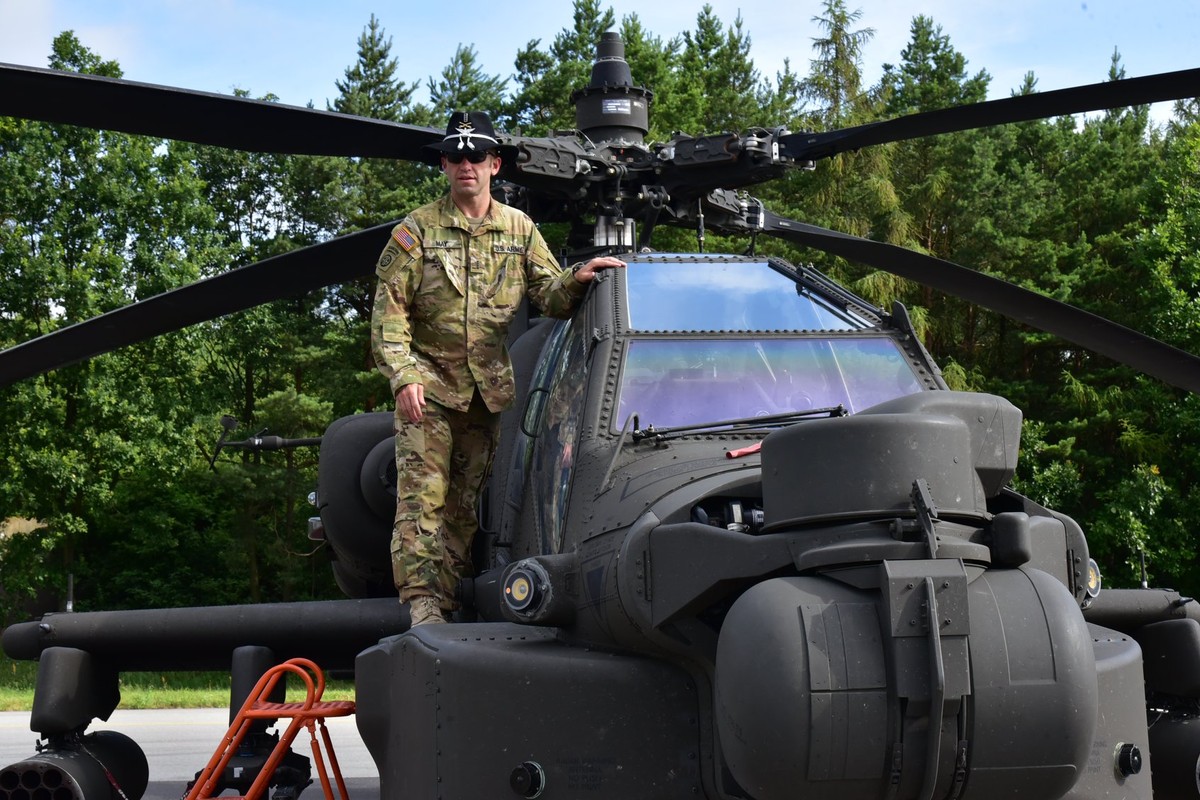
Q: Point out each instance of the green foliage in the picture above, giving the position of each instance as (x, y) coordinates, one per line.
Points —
(180, 524)
(147, 689)
(852, 193)
(835, 78)
(370, 87)
(464, 85)
(1048, 474)
(722, 77)
(546, 77)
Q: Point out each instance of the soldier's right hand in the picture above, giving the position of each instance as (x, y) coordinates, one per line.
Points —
(411, 402)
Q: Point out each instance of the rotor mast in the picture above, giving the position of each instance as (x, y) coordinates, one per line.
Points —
(610, 108)
(612, 111)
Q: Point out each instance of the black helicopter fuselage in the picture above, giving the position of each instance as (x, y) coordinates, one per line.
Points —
(861, 607)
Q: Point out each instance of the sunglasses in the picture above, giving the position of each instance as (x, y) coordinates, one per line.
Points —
(475, 157)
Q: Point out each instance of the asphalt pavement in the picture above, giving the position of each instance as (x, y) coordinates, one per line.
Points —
(179, 742)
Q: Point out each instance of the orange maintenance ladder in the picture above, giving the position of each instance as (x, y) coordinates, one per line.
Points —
(308, 714)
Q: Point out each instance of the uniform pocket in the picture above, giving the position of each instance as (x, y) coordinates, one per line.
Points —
(508, 287)
(394, 329)
(445, 266)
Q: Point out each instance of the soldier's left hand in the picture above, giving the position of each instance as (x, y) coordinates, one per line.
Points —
(587, 272)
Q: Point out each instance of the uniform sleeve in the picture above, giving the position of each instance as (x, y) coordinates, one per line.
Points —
(399, 273)
(552, 288)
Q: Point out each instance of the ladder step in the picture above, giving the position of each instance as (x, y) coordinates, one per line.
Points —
(324, 708)
(312, 710)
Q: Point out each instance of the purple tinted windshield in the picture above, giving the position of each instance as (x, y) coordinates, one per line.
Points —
(670, 382)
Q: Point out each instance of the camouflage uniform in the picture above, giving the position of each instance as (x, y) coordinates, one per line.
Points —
(445, 298)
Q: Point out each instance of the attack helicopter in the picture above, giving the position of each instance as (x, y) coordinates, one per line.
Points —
(740, 539)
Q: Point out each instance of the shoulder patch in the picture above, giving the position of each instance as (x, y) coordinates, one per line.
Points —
(404, 238)
(393, 258)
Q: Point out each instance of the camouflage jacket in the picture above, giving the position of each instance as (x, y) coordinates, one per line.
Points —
(445, 299)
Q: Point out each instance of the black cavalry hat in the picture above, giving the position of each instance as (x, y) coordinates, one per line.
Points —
(467, 131)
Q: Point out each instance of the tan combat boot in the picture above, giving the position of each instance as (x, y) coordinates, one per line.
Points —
(424, 610)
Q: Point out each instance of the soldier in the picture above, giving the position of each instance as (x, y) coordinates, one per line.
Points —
(450, 280)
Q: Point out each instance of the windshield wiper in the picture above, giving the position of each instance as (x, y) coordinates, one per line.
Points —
(744, 425)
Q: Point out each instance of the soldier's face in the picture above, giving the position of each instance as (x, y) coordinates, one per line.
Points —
(469, 180)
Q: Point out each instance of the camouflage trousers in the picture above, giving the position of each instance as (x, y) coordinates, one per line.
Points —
(441, 464)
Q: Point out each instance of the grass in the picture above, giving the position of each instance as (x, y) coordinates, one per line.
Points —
(145, 689)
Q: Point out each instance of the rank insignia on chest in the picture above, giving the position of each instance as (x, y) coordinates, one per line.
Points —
(404, 238)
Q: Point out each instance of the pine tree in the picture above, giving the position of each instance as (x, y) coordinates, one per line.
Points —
(464, 86)
(853, 191)
(545, 80)
(835, 77)
(370, 87)
(931, 173)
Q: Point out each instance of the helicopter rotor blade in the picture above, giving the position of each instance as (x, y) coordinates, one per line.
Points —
(290, 274)
(1097, 334)
(1022, 108)
(217, 120)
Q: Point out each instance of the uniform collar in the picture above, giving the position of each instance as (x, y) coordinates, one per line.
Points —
(449, 216)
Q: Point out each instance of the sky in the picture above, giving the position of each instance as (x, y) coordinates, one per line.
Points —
(297, 49)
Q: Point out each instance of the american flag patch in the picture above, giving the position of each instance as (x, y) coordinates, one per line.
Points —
(404, 238)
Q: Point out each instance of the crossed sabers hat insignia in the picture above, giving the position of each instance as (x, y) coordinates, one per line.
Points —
(465, 131)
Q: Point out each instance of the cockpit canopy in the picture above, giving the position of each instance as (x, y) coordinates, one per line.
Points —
(740, 338)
